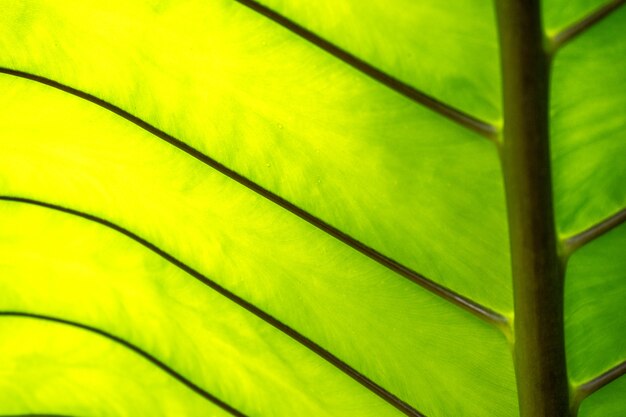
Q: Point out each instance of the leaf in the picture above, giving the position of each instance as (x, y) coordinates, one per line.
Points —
(265, 209)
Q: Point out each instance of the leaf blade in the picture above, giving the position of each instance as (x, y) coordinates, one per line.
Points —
(89, 157)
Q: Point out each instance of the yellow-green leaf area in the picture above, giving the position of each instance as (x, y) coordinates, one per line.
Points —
(67, 151)
(259, 99)
(447, 49)
(51, 368)
(65, 266)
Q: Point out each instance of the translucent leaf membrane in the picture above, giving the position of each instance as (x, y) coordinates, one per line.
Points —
(51, 368)
(64, 150)
(558, 14)
(287, 115)
(62, 265)
(594, 306)
(447, 49)
(589, 126)
(607, 402)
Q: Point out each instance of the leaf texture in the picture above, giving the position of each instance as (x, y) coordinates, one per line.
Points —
(217, 227)
(595, 290)
(589, 126)
(49, 366)
(460, 68)
(311, 129)
(275, 209)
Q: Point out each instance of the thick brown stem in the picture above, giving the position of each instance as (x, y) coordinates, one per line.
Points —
(536, 265)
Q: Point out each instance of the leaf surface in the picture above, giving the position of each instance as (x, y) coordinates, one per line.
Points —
(302, 276)
(589, 126)
(294, 210)
(305, 126)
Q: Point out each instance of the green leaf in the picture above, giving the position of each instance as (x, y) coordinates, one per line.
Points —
(588, 126)
(247, 244)
(594, 303)
(277, 209)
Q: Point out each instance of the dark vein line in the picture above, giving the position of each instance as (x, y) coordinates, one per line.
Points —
(480, 311)
(568, 34)
(586, 389)
(221, 404)
(269, 319)
(577, 241)
(464, 119)
(602, 380)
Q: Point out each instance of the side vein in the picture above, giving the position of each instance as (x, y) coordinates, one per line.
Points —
(573, 243)
(268, 318)
(153, 360)
(568, 34)
(466, 120)
(585, 389)
(480, 311)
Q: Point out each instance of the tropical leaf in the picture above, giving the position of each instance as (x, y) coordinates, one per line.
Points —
(272, 208)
